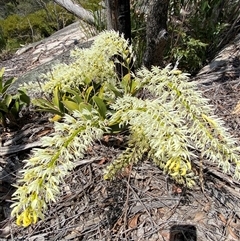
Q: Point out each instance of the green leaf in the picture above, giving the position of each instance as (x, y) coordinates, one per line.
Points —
(56, 96)
(76, 95)
(3, 107)
(1, 79)
(7, 84)
(116, 128)
(87, 94)
(101, 92)
(134, 88)
(17, 106)
(102, 109)
(205, 6)
(24, 97)
(83, 105)
(57, 99)
(126, 80)
(14, 112)
(70, 105)
(2, 72)
(46, 106)
(41, 103)
(114, 90)
(87, 80)
(7, 100)
(50, 110)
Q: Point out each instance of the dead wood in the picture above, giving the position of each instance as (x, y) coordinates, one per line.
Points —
(7, 150)
(77, 10)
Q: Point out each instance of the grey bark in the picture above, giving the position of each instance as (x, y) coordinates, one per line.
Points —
(118, 19)
(118, 16)
(156, 32)
(108, 15)
(77, 10)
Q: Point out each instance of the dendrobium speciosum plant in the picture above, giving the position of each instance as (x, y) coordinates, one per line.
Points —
(171, 126)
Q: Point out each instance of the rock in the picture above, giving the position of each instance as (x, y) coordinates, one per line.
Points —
(30, 61)
(225, 66)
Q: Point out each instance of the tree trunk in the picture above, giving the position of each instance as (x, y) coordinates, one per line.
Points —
(118, 17)
(156, 32)
(77, 10)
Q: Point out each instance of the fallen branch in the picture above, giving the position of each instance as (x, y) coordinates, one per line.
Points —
(6, 150)
(77, 10)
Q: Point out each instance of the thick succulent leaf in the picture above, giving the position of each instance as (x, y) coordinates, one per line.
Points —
(24, 97)
(126, 81)
(114, 90)
(83, 105)
(76, 96)
(46, 106)
(87, 93)
(7, 84)
(102, 109)
(1, 79)
(17, 106)
(56, 96)
(3, 107)
(8, 100)
(70, 105)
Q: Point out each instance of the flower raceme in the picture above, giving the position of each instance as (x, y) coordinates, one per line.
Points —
(172, 125)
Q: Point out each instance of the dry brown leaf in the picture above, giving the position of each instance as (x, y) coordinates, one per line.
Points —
(72, 235)
(222, 218)
(119, 140)
(235, 225)
(44, 132)
(106, 138)
(236, 110)
(165, 234)
(176, 189)
(102, 161)
(207, 207)
(199, 217)
(89, 149)
(161, 212)
(126, 171)
(232, 233)
(133, 221)
(117, 225)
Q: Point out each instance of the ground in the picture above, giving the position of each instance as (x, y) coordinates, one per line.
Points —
(140, 204)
